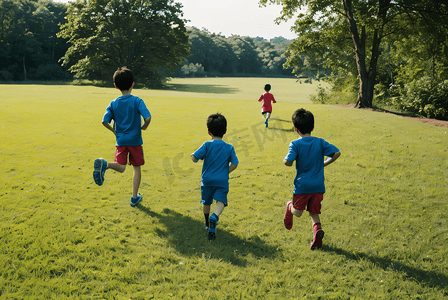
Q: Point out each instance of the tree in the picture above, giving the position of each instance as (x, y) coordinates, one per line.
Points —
(28, 39)
(211, 51)
(244, 49)
(146, 36)
(278, 40)
(272, 56)
(329, 25)
(420, 66)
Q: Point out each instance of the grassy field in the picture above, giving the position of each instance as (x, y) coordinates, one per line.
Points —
(64, 237)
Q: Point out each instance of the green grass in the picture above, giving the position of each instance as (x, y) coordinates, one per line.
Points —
(63, 237)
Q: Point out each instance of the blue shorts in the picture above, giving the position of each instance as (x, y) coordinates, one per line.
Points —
(212, 192)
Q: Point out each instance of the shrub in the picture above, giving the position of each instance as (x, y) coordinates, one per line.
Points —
(425, 98)
(322, 96)
(193, 70)
(337, 94)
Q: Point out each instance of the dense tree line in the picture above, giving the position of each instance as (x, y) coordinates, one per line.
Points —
(216, 55)
(91, 38)
(29, 47)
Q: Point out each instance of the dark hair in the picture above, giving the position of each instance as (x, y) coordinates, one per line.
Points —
(123, 78)
(267, 87)
(217, 124)
(303, 120)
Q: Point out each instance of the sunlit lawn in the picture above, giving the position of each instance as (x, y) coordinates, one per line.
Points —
(62, 236)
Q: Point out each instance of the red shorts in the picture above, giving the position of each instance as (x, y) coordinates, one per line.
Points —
(135, 155)
(309, 201)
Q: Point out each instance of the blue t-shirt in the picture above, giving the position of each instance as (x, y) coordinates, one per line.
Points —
(217, 155)
(309, 153)
(126, 111)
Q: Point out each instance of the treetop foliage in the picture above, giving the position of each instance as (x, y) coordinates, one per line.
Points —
(146, 36)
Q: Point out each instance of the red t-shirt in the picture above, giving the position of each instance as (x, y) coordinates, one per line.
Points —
(267, 98)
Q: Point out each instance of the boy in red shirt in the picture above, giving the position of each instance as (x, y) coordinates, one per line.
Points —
(266, 108)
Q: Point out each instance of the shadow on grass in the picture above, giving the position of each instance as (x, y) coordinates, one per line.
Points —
(189, 237)
(429, 278)
(280, 128)
(202, 88)
(281, 120)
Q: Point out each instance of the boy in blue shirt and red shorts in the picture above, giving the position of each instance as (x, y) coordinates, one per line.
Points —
(309, 184)
(219, 160)
(125, 111)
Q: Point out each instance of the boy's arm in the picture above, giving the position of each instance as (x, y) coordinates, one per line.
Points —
(287, 163)
(232, 167)
(193, 158)
(147, 121)
(335, 156)
(107, 125)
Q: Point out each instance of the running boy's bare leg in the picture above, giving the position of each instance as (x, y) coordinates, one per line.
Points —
(136, 181)
(214, 220)
(296, 212)
(268, 115)
(116, 167)
(219, 207)
(315, 218)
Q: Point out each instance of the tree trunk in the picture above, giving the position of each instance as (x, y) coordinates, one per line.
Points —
(368, 101)
(24, 69)
(362, 69)
(366, 77)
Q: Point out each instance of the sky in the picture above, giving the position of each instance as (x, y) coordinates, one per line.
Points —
(240, 17)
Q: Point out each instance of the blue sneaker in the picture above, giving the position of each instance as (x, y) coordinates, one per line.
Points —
(136, 200)
(99, 167)
(212, 230)
(266, 122)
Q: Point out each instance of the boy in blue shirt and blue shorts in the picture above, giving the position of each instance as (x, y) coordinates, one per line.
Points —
(309, 184)
(219, 160)
(125, 111)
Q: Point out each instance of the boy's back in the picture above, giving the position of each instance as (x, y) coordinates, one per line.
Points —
(126, 111)
(267, 98)
(309, 153)
(216, 154)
